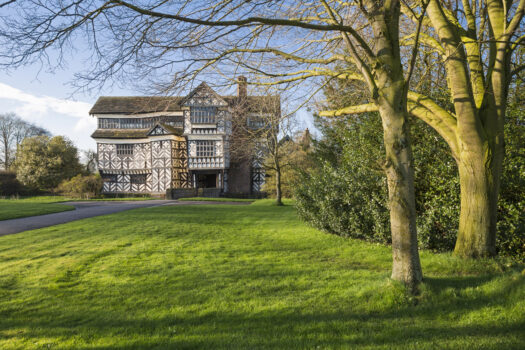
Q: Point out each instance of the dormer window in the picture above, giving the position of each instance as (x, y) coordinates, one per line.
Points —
(203, 115)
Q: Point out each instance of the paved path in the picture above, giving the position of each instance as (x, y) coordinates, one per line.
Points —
(87, 210)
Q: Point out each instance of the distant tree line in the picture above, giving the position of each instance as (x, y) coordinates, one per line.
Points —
(34, 161)
(13, 130)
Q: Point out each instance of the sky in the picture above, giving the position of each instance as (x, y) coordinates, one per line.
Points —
(47, 100)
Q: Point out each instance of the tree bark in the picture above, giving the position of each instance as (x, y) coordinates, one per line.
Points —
(406, 266)
(390, 97)
(278, 193)
(477, 220)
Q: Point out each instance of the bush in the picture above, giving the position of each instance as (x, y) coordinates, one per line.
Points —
(346, 194)
(83, 186)
(43, 162)
(9, 185)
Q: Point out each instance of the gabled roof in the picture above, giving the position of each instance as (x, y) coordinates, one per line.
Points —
(204, 95)
(135, 104)
(164, 130)
(154, 104)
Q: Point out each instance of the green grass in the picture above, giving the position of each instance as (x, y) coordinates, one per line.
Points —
(39, 205)
(19, 208)
(121, 199)
(216, 199)
(241, 277)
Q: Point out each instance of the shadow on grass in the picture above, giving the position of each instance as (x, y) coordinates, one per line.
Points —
(429, 325)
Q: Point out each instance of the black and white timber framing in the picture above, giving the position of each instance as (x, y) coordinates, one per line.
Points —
(152, 144)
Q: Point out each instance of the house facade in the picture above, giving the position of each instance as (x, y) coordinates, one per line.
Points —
(153, 144)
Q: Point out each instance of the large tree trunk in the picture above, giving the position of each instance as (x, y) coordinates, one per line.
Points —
(477, 220)
(278, 192)
(406, 266)
(390, 97)
(480, 166)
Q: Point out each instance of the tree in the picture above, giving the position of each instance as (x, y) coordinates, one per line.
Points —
(281, 43)
(42, 162)
(296, 148)
(257, 136)
(474, 129)
(344, 192)
(90, 158)
(464, 36)
(12, 131)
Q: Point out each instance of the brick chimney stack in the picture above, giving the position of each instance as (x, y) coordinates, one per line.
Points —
(242, 86)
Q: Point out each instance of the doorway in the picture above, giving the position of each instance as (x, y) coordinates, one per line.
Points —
(206, 180)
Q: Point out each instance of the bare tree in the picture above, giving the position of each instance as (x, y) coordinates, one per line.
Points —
(258, 129)
(295, 45)
(90, 161)
(13, 131)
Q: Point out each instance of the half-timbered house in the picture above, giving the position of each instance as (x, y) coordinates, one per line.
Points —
(152, 144)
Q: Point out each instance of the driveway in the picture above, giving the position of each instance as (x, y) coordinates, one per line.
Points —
(87, 210)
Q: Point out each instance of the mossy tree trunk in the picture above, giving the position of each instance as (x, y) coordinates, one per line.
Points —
(391, 101)
(479, 104)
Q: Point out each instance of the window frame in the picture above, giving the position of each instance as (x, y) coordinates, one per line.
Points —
(126, 149)
(205, 148)
(203, 115)
(133, 179)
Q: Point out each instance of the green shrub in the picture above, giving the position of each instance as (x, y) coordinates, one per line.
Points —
(10, 186)
(346, 193)
(82, 186)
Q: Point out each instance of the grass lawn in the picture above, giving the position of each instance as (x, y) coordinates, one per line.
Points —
(40, 205)
(240, 277)
(216, 199)
(19, 208)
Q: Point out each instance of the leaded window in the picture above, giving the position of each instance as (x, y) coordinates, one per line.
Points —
(205, 148)
(137, 179)
(139, 123)
(203, 115)
(109, 177)
(124, 150)
(131, 123)
(108, 123)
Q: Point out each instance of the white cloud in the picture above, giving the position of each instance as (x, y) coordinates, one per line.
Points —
(52, 113)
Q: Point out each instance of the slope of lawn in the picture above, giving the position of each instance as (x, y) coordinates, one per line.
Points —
(20, 208)
(240, 277)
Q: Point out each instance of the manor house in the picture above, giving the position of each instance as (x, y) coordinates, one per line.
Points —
(153, 144)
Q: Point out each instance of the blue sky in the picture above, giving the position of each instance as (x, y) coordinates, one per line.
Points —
(46, 99)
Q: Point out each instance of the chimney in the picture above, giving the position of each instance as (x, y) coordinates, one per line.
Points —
(241, 86)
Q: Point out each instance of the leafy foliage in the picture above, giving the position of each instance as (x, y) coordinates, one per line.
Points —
(294, 151)
(82, 186)
(43, 162)
(346, 193)
(9, 185)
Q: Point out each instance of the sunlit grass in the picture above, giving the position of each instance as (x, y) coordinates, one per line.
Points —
(19, 208)
(240, 277)
(216, 199)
